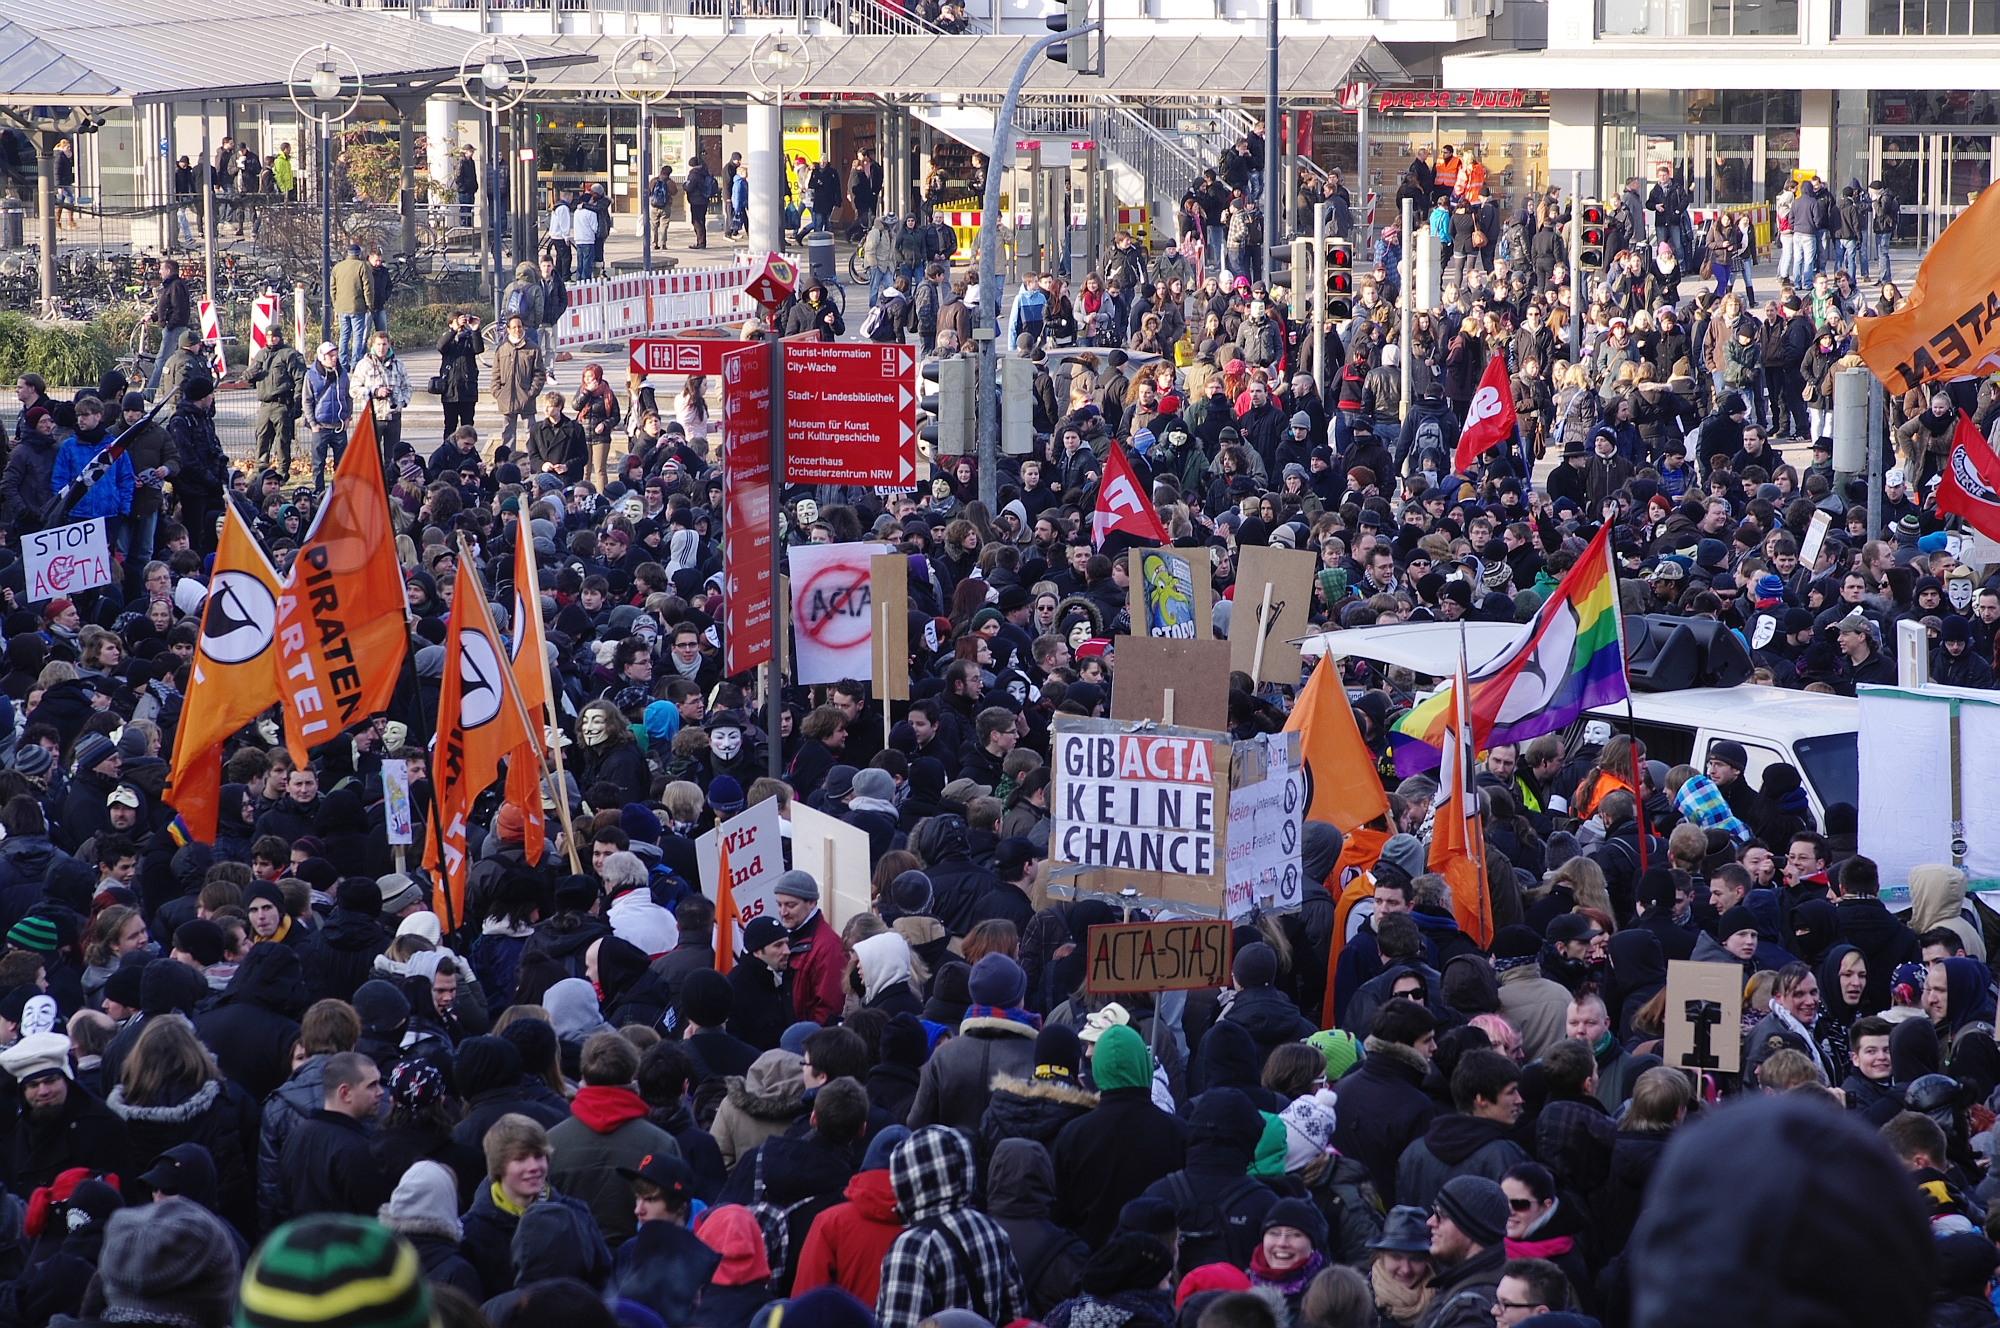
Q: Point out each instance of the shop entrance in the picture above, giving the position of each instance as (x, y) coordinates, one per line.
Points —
(1720, 167)
(1933, 176)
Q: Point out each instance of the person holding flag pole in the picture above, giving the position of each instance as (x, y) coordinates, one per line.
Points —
(531, 681)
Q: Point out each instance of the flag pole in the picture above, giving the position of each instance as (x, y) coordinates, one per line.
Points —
(1639, 820)
(531, 602)
(1468, 790)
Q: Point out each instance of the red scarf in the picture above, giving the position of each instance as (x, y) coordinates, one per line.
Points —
(1539, 1249)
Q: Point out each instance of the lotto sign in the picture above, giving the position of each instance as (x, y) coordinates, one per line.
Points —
(747, 592)
(850, 414)
(65, 560)
(680, 355)
(1267, 797)
(756, 860)
(1137, 801)
(833, 613)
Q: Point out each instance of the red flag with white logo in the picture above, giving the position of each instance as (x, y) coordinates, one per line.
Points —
(1120, 505)
(1970, 485)
(1490, 421)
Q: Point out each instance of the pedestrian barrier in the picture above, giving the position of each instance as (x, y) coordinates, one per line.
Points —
(615, 308)
(1760, 220)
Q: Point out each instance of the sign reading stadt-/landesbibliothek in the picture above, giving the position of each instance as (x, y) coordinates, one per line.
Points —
(747, 592)
(849, 414)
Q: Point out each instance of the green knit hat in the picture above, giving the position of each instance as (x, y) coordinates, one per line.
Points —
(1341, 1049)
(34, 933)
(334, 1271)
(1270, 1159)
(1121, 1060)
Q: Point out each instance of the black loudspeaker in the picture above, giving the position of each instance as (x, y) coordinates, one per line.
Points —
(1667, 654)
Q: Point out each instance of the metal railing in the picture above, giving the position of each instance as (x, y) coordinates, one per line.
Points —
(872, 18)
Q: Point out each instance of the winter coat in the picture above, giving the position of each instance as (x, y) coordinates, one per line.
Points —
(951, 1255)
(1465, 1292)
(86, 1134)
(458, 363)
(1220, 1208)
(762, 1008)
(817, 966)
(607, 1129)
(1454, 1146)
(957, 1081)
(1020, 1188)
(1535, 1005)
(251, 1028)
(110, 496)
(803, 1175)
(1032, 1109)
(758, 1106)
(327, 1168)
(489, 1237)
(1383, 1110)
(518, 376)
(284, 1111)
(559, 443)
(1109, 1156)
(208, 1116)
(341, 955)
(1867, 925)
(25, 486)
(957, 883)
(849, 1241)
(1270, 1018)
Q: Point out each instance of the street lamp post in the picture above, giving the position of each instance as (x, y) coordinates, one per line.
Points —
(494, 77)
(334, 96)
(644, 71)
(778, 61)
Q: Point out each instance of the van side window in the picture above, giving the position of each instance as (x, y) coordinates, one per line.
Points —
(1666, 742)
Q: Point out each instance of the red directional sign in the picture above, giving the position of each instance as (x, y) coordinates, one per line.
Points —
(850, 414)
(746, 507)
(681, 355)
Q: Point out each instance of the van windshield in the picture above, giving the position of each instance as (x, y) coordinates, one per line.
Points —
(1832, 762)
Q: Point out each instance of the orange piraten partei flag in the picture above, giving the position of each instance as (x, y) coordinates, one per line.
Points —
(1951, 328)
(1458, 851)
(1341, 783)
(232, 678)
(480, 722)
(342, 627)
(531, 679)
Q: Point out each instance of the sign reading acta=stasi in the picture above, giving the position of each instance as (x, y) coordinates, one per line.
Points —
(1157, 956)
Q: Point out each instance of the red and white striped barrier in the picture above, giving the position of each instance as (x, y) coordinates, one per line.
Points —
(211, 333)
(263, 312)
(618, 308)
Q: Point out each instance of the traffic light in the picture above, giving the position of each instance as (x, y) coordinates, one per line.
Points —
(1083, 54)
(1594, 222)
(1339, 279)
(952, 429)
(1017, 405)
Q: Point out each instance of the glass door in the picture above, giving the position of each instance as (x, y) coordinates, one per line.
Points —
(1720, 169)
(1933, 176)
(1963, 165)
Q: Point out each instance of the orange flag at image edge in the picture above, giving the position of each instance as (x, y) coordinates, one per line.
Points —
(342, 629)
(232, 678)
(1951, 328)
(1342, 786)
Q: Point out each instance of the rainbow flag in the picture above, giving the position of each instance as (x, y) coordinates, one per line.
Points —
(1568, 658)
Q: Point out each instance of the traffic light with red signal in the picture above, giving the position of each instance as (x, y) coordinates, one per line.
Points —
(1594, 221)
(1339, 279)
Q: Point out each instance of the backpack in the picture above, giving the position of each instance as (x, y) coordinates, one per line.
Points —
(1441, 224)
(775, 1220)
(1513, 242)
(1429, 436)
(663, 194)
(1204, 1221)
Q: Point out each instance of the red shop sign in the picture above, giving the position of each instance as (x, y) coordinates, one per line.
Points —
(1458, 99)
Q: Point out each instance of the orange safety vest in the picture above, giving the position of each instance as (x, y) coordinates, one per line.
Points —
(1447, 173)
(1470, 174)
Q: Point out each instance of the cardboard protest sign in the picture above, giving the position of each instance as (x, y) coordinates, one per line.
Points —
(1196, 672)
(836, 855)
(756, 861)
(1287, 576)
(889, 644)
(1267, 803)
(396, 802)
(832, 614)
(1704, 1017)
(1167, 594)
(1141, 807)
(1157, 956)
(66, 560)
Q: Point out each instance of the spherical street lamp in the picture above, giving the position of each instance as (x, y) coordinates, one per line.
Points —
(494, 76)
(644, 71)
(330, 96)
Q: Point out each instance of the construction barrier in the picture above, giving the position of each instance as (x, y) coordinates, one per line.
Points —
(965, 225)
(1760, 220)
(1139, 222)
(616, 308)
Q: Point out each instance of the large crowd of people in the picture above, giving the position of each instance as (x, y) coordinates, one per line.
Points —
(273, 1079)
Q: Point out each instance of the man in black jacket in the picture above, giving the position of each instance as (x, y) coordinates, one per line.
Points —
(341, 955)
(1266, 1013)
(1867, 924)
(957, 883)
(60, 1126)
(1384, 1108)
(327, 1167)
(252, 1027)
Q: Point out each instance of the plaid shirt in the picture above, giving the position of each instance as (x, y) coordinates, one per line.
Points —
(933, 1175)
(1702, 803)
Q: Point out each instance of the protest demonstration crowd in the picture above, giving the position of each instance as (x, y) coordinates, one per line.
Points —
(381, 948)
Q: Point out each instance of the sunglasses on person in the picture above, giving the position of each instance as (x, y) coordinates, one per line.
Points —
(1521, 1206)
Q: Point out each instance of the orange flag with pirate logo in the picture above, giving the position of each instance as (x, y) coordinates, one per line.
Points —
(231, 679)
(480, 722)
(1951, 325)
(342, 626)
(531, 679)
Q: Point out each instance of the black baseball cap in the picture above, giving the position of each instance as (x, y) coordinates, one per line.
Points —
(665, 1171)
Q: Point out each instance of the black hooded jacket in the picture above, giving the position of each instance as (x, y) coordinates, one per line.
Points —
(1867, 925)
(341, 955)
(1220, 1208)
(488, 1070)
(252, 1026)
(957, 883)
(1270, 1018)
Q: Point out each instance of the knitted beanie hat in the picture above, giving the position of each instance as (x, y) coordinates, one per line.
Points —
(334, 1271)
(168, 1262)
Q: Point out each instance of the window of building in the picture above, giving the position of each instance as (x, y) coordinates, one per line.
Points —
(1921, 107)
(1917, 18)
(1705, 18)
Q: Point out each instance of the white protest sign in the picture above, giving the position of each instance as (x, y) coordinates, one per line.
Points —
(1265, 824)
(756, 861)
(396, 801)
(64, 560)
(832, 618)
(1135, 801)
(1815, 537)
(835, 854)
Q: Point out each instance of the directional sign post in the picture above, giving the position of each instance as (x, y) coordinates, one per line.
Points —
(850, 414)
(681, 355)
(1198, 124)
(748, 576)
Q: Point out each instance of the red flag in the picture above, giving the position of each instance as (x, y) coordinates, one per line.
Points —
(1120, 505)
(1490, 421)
(725, 908)
(1970, 486)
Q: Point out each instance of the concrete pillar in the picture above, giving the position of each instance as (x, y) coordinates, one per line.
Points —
(1573, 136)
(440, 127)
(1816, 132)
(764, 158)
